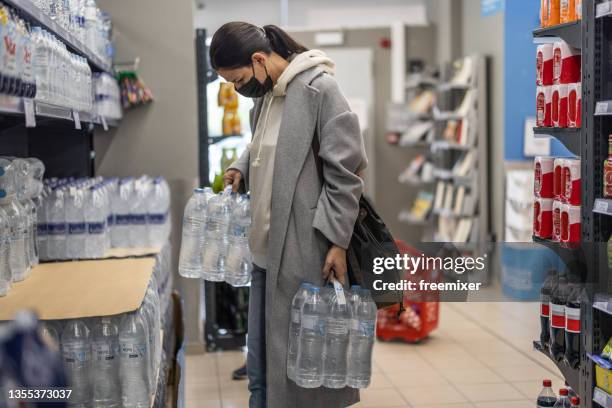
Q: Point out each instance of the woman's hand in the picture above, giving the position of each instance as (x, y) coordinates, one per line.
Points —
(233, 177)
(335, 264)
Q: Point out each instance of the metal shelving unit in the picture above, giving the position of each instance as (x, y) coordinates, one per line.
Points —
(569, 137)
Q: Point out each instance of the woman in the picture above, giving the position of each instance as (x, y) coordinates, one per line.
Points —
(302, 221)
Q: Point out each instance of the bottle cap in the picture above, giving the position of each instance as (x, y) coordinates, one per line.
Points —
(575, 400)
(355, 287)
(547, 383)
(315, 289)
(198, 190)
(563, 391)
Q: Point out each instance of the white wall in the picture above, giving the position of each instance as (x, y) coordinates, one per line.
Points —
(306, 13)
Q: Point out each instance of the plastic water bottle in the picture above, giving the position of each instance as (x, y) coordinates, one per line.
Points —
(152, 305)
(41, 225)
(6, 277)
(309, 364)
(105, 349)
(138, 213)
(51, 331)
(76, 353)
(75, 220)
(56, 224)
(17, 245)
(294, 328)
(121, 208)
(158, 208)
(95, 219)
(336, 341)
(563, 401)
(133, 362)
(192, 242)
(238, 265)
(361, 341)
(547, 397)
(218, 215)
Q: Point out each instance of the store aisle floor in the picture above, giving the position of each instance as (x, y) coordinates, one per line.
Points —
(481, 356)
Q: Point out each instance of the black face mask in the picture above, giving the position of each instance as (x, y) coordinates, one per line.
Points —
(255, 89)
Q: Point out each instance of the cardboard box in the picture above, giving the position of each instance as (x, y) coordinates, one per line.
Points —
(69, 290)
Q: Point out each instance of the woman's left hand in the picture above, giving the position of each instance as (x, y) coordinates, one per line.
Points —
(335, 264)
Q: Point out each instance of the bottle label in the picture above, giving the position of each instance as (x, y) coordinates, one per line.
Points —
(75, 356)
(110, 220)
(541, 111)
(157, 219)
(557, 316)
(104, 352)
(96, 228)
(122, 219)
(42, 229)
(138, 219)
(295, 316)
(76, 228)
(572, 319)
(310, 322)
(608, 180)
(365, 328)
(557, 65)
(132, 351)
(56, 229)
(337, 326)
(544, 308)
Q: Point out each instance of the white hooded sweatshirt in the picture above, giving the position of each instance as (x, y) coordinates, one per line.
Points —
(263, 150)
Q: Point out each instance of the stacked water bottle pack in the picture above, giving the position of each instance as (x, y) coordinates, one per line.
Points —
(20, 188)
(215, 244)
(84, 218)
(113, 361)
(107, 96)
(84, 20)
(331, 336)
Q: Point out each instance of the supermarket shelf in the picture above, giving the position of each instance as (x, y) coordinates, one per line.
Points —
(406, 217)
(449, 86)
(445, 145)
(602, 398)
(603, 108)
(572, 376)
(445, 212)
(568, 252)
(603, 206)
(603, 9)
(37, 17)
(569, 137)
(13, 105)
(568, 32)
(446, 116)
(217, 139)
(448, 175)
(415, 181)
(603, 302)
(418, 144)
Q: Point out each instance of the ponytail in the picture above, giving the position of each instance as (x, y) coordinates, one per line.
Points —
(282, 43)
(234, 43)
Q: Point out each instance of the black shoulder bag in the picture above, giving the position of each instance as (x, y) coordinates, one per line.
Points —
(371, 239)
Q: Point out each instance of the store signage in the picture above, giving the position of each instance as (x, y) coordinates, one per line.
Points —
(490, 7)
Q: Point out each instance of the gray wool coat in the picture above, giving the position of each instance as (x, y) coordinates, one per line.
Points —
(306, 216)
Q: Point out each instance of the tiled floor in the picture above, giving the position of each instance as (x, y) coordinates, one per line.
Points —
(481, 356)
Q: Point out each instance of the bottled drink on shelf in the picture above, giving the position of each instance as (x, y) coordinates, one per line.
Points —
(238, 264)
(192, 243)
(545, 293)
(158, 212)
(572, 322)
(75, 222)
(309, 364)
(336, 341)
(76, 352)
(361, 341)
(563, 400)
(607, 181)
(105, 367)
(218, 213)
(575, 402)
(547, 397)
(6, 277)
(294, 328)
(558, 300)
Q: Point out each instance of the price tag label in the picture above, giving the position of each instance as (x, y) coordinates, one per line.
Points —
(600, 397)
(104, 123)
(603, 9)
(339, 292)
(77, 119)
(601, 108)
(30, 114)
(601, 206)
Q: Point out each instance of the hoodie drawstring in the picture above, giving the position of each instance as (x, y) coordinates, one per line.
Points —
(257, 161)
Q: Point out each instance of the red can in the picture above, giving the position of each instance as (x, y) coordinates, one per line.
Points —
(570, 223)
(571, 180)
(574, 105)
(543, 177)
(543, 106)
(542, 217)
(566, 63)
(556, 214)
(558, 181)
(544, 65)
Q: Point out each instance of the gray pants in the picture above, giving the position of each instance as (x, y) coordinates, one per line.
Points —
(256, 339)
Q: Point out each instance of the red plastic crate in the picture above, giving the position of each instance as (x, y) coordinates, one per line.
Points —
(422, 310)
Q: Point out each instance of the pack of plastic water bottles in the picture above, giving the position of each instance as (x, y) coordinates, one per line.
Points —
(84, 218)
(113, 361)
(20, 190)
(331, 336)
(215, 243)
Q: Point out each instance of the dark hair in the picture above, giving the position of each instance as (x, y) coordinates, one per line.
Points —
(234, 43)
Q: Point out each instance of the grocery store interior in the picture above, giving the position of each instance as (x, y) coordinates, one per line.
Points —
(126, 272)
